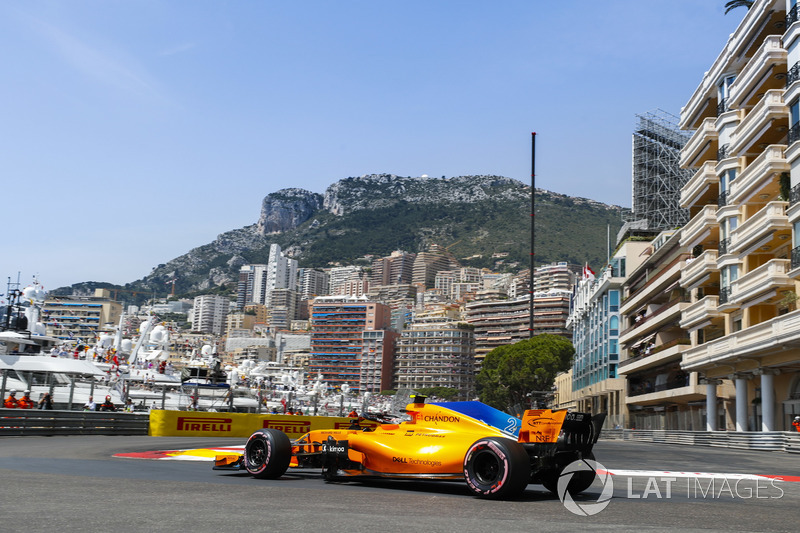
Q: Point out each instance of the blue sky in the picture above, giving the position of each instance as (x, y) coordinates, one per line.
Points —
(133, 131)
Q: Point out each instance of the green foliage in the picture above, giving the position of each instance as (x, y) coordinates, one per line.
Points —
(786, 186)
(566, 230)
(445, 393)
(181, 319)
(733, 4)
(510, 373)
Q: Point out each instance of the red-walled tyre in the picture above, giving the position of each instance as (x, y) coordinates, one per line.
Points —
(497, 468)
(267, 454)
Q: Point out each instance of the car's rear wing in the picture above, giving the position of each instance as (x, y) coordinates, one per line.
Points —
(568, 429)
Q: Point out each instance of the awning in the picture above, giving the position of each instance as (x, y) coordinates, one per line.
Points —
(643, 340)
(41, 363)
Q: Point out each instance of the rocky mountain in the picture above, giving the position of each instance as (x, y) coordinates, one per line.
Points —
(483, 220)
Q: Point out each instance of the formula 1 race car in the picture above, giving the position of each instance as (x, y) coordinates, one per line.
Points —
(498, 455)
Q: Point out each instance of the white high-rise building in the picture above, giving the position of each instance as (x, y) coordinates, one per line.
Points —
(209, 312)
(312, 283)
(257, 281)
(281, 272)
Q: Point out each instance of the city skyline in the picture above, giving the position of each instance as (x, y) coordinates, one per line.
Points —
(138, 131)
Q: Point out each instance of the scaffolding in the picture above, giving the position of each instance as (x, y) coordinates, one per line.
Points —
(657, 178)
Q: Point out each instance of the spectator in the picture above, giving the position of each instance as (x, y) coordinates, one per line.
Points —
(11, 402)
(46, 402)
(90, 405)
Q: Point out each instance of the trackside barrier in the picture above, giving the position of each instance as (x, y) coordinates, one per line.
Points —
(788, 441)
(205, 424)
(25, 422)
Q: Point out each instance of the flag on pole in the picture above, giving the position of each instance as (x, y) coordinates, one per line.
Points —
(588, 273)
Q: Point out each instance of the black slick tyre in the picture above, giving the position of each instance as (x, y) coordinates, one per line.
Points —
(496, 468)
(267, 454)
(580, 481)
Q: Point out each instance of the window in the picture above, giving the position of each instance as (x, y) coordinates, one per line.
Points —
(723, 92)
(726, 179)
(794, 112)
(729, 274)
(613, 301)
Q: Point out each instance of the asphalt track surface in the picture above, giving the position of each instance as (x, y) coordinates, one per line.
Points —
(74, 484)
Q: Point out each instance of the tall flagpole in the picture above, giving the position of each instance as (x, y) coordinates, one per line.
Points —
(533, 227)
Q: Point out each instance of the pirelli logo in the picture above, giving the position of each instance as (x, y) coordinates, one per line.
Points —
(290, 427)
(196, 423)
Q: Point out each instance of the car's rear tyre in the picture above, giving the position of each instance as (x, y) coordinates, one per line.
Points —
(497, 468)
(580, 481)
(267, 454)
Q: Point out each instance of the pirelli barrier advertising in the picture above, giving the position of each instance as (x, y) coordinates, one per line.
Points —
(204, 424)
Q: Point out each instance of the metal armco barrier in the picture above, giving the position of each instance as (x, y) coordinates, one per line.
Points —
(788, 441)
(28, 422)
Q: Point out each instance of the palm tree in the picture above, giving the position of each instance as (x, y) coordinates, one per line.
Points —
(733, 4)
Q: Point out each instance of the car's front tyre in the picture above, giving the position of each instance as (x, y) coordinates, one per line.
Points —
(267, 454)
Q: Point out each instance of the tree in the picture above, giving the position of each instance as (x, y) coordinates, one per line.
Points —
(510, 373)
(733, 4)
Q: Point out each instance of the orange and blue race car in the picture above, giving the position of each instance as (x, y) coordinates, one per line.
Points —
(497, 455)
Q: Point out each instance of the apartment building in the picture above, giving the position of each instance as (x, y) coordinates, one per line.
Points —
(428, 263)
(338, 277)
(209, 312)
(80, 317)
(311, 283)
(497, 322)
(377, 360)
(559, 276)
(653, 336)
(396, 269)
(456, 284)
(282, 309)
(256, 282)
(596, 383)
(744, 229)
(337, 337)
(435, 352)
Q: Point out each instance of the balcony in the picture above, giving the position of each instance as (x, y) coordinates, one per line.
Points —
(761, 125)
(761, 72)
(702, 228)
(664, 353)
(701, 311)
(765, 230)
(702, 146)
(666, 314)
(699, 269)
(760, 284)
(762, 18)
(756, 341)
(759, 176)
(674, 392)
(702, 187)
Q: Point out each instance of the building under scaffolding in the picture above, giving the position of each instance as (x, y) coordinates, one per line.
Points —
(657, 178)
